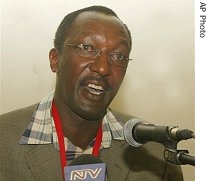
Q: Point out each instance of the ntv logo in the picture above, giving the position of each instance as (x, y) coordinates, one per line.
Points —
(84, 173)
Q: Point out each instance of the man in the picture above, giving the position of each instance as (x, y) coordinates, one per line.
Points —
(90, 58)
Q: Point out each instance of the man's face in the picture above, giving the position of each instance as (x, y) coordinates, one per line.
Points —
(88, 85)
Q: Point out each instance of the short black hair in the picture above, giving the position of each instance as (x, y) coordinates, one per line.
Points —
(68, 20)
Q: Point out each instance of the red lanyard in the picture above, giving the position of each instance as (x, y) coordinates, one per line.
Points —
(59, 131)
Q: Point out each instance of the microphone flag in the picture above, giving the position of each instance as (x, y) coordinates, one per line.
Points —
(87, 172)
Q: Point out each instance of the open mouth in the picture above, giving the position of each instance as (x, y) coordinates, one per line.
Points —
(95, 89)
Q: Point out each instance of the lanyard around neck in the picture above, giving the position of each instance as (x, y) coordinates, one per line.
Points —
(60, 135)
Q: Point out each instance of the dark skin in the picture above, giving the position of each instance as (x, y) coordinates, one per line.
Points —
(81, 110)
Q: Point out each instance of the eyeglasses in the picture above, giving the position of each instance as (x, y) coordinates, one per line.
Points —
(90, 51)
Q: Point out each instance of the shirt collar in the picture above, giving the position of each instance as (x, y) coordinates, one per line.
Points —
(41, 129)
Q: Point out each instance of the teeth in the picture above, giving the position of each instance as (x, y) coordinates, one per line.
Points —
(97, 87)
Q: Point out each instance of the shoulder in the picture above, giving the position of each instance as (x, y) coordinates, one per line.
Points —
(149, 156)
(122, 117)
(15, 122)
(18, 113)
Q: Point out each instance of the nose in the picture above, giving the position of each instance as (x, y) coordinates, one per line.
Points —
(101, 65)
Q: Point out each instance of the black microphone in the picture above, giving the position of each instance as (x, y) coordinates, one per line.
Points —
(86, 167)
(137, 132)
(85, 159)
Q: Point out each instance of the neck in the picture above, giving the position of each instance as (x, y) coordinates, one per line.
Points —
(78, 130)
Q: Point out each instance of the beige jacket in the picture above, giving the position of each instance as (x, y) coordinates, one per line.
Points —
(42, 162)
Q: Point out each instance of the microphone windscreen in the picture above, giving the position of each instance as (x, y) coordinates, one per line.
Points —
(128, 132)
(85, 159)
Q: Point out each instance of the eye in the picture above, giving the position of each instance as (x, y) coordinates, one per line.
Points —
(87, 48)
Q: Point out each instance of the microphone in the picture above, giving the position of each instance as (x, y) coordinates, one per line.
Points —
(85, 167)
(85, 159)
(137, 133)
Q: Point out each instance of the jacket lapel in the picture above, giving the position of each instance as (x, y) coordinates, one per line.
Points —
(114, 157)
(44, 162)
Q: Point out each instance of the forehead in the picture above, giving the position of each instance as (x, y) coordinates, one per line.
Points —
(88, 23)
(97, 16)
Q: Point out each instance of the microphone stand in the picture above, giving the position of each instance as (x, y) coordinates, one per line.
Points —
(179, 157)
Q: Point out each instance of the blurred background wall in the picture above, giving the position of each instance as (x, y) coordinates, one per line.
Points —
(159, 85)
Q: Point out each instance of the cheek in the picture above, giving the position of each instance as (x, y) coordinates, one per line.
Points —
(117, 78)
(67, 73)
(72, 70)
(69, 65)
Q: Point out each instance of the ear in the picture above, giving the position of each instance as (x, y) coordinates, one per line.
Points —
(53, 58)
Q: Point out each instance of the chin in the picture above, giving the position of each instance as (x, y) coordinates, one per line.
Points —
(93, 115)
